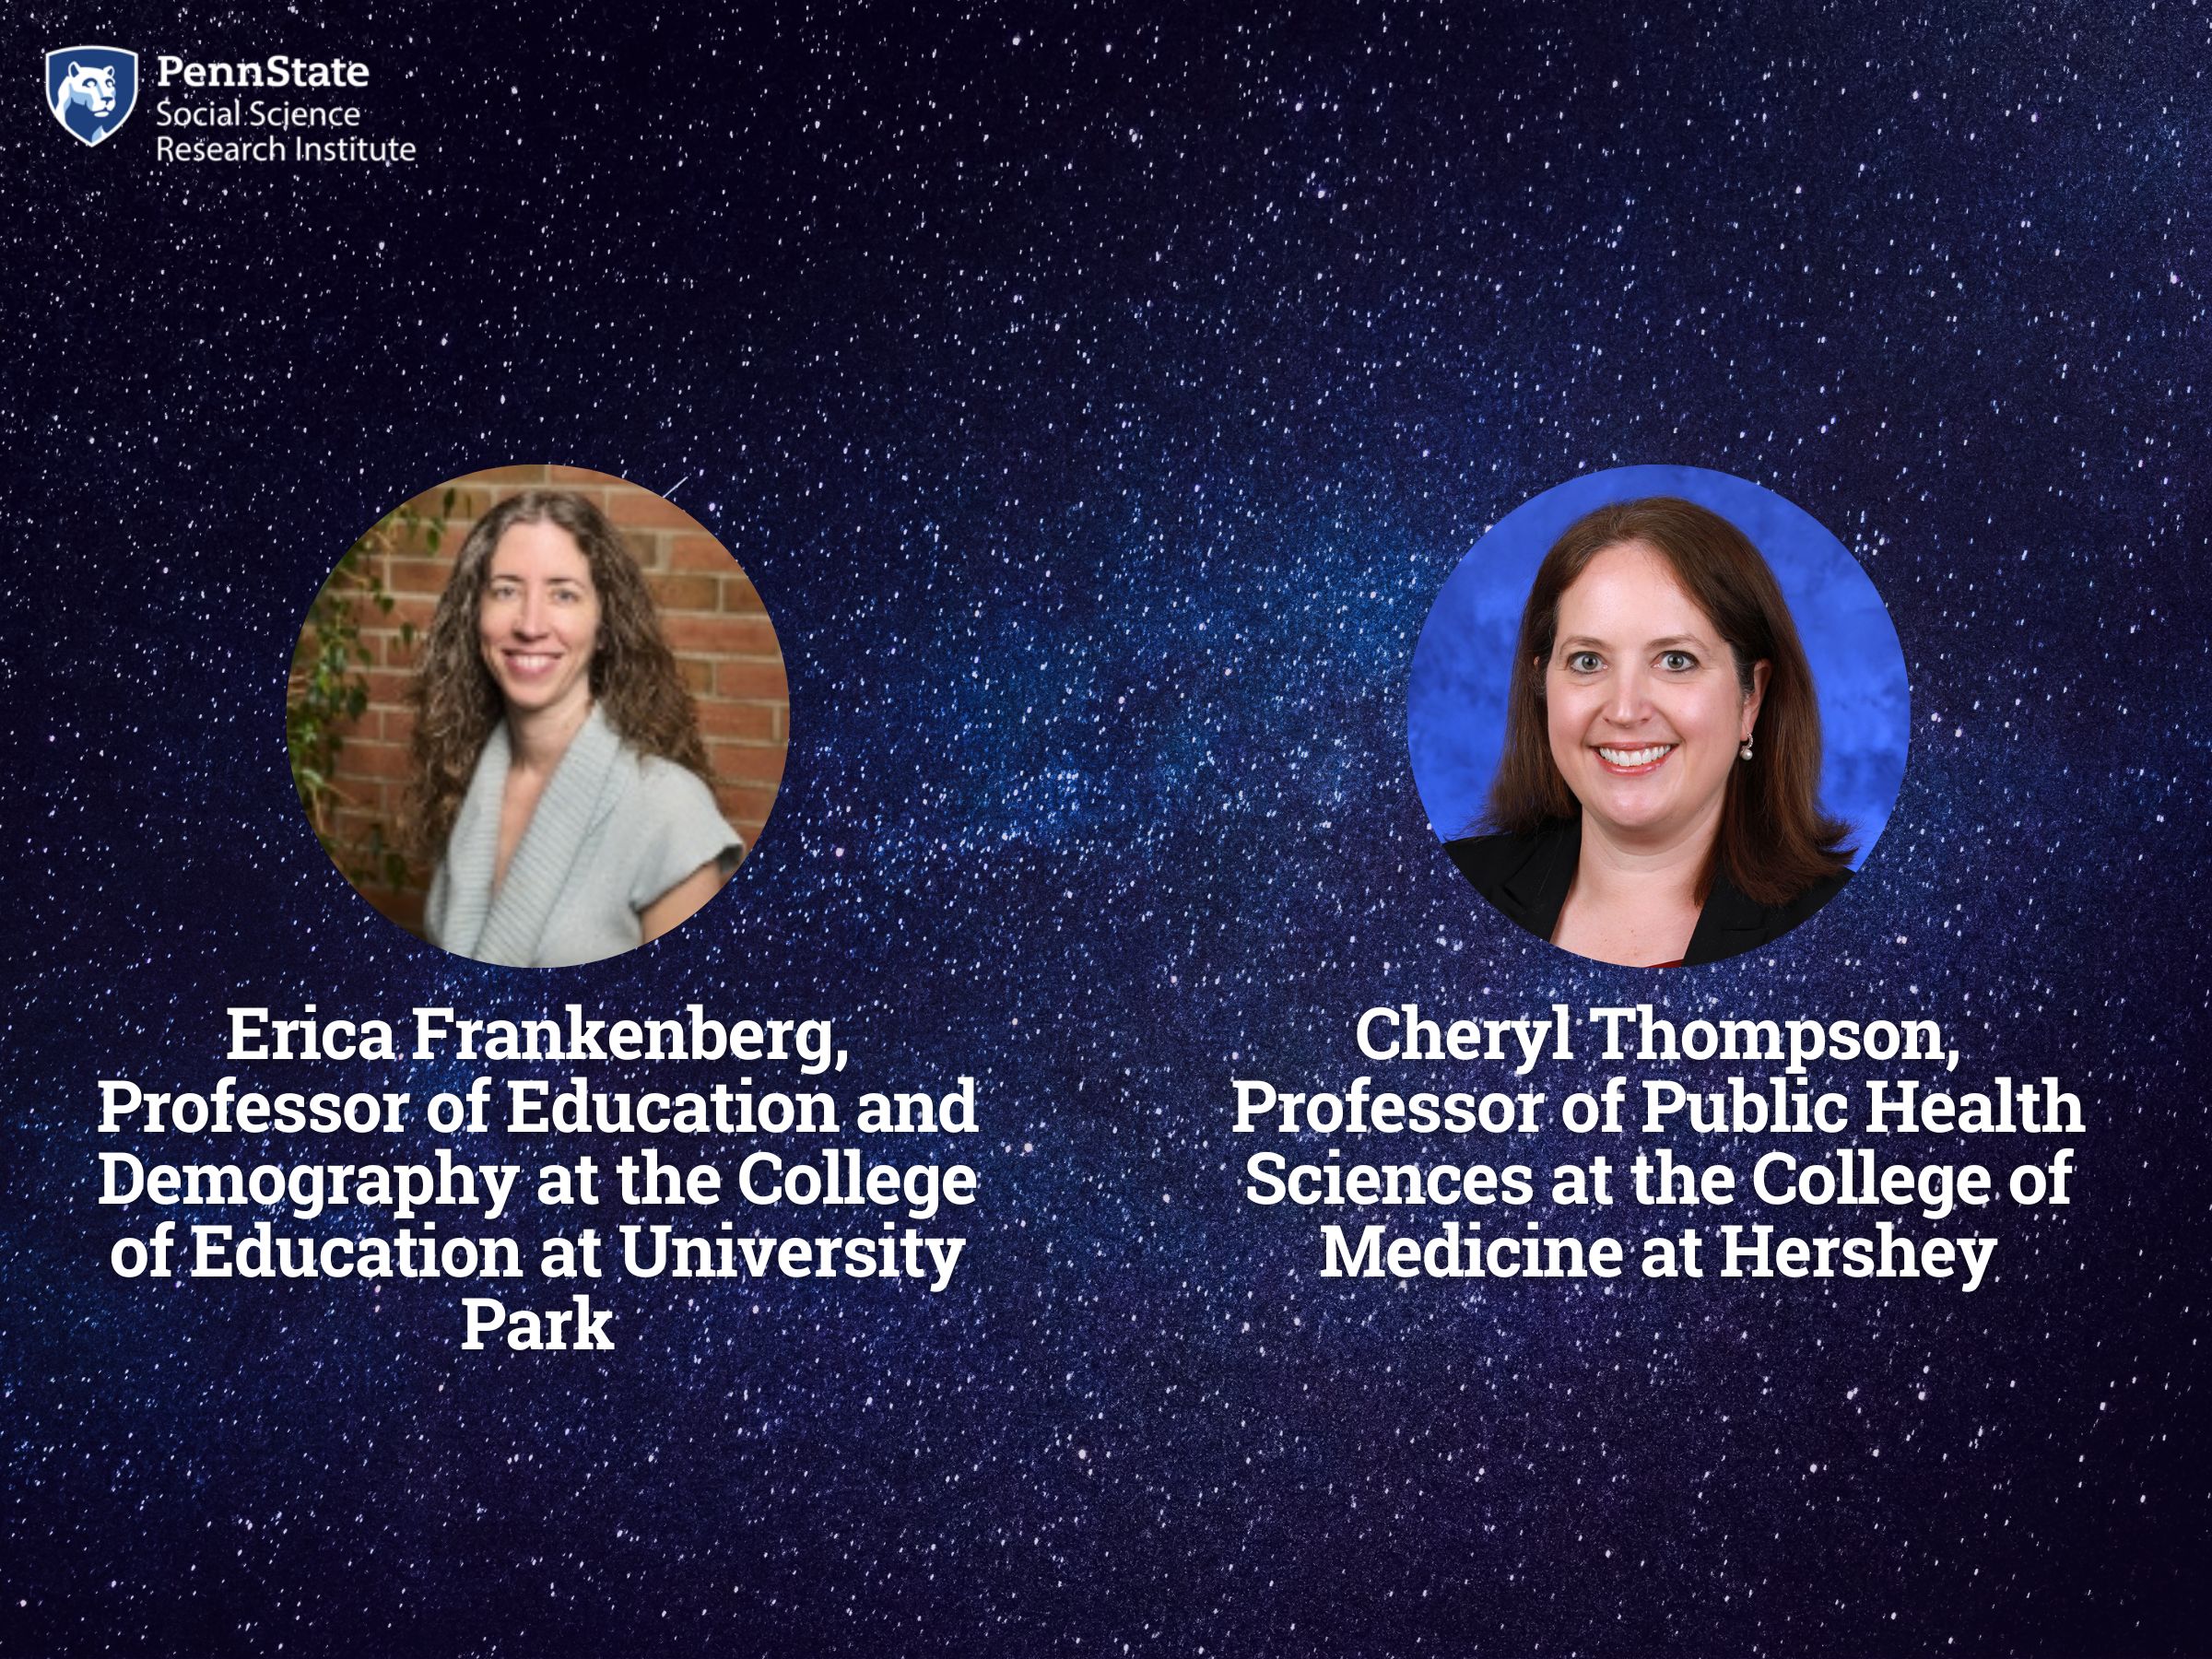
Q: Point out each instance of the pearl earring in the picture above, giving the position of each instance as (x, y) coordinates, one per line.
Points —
(1743, 750)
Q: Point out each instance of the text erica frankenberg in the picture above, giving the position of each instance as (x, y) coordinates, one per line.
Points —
(830, 1201)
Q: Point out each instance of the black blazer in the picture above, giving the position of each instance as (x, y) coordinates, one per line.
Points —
(1528, 877)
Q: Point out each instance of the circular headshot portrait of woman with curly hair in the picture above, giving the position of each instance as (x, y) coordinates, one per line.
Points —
(1658, 716)
(538, 716)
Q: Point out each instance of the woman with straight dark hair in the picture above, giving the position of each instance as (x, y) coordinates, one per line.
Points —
(560, 783)
(1657, 801)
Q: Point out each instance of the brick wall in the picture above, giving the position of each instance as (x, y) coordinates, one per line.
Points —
(723, 644)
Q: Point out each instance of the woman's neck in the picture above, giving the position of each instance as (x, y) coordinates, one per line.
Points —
(1634, 902)
(537, 738)
(1614, 867)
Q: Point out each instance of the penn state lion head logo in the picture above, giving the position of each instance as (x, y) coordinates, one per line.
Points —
(91, 90)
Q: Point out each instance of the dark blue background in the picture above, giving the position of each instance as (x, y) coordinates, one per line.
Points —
(1099, 425)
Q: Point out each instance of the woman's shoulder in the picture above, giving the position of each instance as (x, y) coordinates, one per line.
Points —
(1732, 924)
(1815, 895)
(1524, 875)
(670, 825)
(1490, 860)
(663, 783)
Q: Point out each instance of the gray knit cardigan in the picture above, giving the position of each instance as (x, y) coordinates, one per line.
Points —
(613, 831)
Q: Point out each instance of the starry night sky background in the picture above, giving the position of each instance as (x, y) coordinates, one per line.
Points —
(1099, 404)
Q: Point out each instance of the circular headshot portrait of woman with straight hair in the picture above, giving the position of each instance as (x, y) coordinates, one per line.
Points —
(1657, 716)
(538, 716)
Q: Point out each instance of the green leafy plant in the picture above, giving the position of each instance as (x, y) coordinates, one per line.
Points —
(328, 690)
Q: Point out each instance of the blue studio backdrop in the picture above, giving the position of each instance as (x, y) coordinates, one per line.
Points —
(1455, 698)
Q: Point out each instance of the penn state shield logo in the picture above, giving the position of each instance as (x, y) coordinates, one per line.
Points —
(92, 89)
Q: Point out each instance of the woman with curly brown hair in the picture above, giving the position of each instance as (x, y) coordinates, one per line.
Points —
(1656, 805)
(560, 783)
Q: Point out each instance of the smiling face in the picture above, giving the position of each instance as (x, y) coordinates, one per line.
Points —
(538, 620)
(1642, 703)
